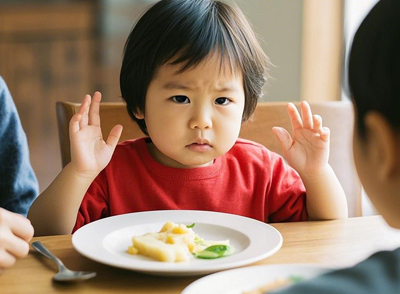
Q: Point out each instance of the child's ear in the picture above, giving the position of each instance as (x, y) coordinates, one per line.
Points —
(382, 141)
(138, 114)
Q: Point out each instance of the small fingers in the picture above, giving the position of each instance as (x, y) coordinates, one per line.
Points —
(317, 123)
(94, 110)
(284, 138)
(306, 115)
(325, 134)
(114, 136)
(74, 124)
(294, 115)
(84, 111)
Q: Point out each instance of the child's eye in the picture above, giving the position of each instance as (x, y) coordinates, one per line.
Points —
(180, 99)
(222, 101)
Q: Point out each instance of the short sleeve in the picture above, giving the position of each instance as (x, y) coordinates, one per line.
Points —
(286, 196)
(95, 204)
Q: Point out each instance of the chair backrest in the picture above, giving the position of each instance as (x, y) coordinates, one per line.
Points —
(336, 115)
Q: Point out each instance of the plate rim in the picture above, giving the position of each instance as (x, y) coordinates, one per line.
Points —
(114, 223)
(192, 287)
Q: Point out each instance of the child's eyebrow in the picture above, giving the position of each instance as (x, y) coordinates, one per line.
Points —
(175, 85)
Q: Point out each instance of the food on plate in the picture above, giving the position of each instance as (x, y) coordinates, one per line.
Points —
(178, 242)
(274, 285)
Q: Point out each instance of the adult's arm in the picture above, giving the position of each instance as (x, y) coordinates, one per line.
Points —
(18, 185)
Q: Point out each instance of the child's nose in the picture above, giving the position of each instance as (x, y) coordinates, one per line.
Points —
(201, 119)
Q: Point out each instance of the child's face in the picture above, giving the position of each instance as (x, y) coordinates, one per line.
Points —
(194, 116)
(369, 158)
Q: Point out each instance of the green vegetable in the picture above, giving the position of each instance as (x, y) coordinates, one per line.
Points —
(296, 279)
(215, 251)
(190, 226)
(199, 241)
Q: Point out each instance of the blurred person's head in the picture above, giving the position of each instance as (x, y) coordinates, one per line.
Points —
(374, 81)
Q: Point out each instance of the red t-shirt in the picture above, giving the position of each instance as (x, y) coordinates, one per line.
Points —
(249, 180)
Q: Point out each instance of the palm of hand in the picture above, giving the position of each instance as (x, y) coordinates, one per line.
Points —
(92, 153)
(89, 152)
(308, 150)
(309, 153)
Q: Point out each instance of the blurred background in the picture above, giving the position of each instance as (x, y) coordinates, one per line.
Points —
(63, 49)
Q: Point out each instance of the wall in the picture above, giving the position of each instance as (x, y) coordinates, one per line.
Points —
(279, 24)
(47, 54)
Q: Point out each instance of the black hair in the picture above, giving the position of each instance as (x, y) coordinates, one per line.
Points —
(374, 65)
(186, 32)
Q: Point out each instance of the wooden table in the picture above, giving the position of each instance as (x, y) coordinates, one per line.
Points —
(331, 243)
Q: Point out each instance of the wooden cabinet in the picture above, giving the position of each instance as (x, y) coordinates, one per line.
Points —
(47, 53)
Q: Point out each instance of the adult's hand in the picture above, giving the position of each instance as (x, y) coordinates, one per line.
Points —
(15, 233)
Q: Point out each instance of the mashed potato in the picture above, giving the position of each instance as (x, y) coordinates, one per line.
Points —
(176, 243)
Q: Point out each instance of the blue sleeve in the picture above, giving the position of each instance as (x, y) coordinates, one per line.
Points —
(380, 273)
(18, 183)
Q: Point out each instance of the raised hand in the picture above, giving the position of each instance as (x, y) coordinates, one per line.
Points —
(89, 152)
(307, 150)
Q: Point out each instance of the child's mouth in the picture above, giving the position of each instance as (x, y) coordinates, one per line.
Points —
(196, 147)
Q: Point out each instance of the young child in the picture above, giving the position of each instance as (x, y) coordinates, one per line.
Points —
(374, 80)
(192, 73)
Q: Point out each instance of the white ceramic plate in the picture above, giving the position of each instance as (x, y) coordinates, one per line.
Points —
(237, 281)
(106, 240)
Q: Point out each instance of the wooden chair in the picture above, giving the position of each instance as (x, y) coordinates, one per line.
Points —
(336, 115)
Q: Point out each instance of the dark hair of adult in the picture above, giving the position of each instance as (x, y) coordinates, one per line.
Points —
(374, 65)
(186, 32)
